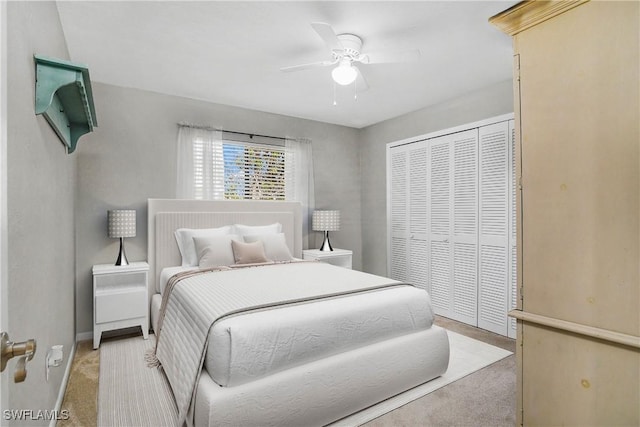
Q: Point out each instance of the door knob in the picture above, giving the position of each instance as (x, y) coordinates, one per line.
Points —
(9, 350)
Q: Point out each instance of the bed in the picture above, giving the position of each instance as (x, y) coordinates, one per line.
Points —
(312, 343)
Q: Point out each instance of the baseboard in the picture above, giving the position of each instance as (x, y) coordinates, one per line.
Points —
(83, 336)
(63, 386)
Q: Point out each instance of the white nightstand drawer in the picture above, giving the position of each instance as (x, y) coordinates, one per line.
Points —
(126, 304)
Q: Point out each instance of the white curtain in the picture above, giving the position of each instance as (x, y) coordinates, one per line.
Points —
(198, 178)
(299, 180)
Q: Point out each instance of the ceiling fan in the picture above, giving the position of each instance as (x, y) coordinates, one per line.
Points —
(346, 49)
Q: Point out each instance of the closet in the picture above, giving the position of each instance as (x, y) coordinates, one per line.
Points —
(451, 220)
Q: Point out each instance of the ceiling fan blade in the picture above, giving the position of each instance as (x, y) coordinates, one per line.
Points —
(361, 82)
(328, 35)
(390, 56)
(307, 66)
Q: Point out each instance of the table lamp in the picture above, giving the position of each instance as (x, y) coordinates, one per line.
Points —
(326, 221)
(122, 223)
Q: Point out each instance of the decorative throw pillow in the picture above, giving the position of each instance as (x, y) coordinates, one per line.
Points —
(215, 251)
(184, 238)
(243, 230)
(275, 246)
(248, 253)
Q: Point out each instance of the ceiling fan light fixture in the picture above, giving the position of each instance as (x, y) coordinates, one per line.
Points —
(344, 74)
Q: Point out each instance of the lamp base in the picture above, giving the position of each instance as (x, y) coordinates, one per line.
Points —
(122, 256)
(326, 244)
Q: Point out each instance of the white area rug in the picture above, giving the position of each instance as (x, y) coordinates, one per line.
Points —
(466, 356)
(130, 394)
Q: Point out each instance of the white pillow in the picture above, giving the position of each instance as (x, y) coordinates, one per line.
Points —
(244, 230)
(215, 251)
(275, 245)
(184, 237)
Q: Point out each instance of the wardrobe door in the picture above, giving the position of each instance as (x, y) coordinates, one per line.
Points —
(494, 228)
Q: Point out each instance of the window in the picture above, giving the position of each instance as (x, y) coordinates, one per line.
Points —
(212, 166)
(221, 165)
(255, 172)
(238, 170)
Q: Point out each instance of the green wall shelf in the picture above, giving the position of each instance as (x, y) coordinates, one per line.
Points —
(65, 99)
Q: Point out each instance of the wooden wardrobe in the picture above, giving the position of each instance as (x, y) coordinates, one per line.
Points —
(577, 115)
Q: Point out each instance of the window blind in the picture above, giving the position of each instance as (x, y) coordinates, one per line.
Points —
(239, 170)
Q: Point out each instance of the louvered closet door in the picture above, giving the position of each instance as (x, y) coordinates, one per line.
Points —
(408, 210)
(439, 212)
(465, 226)
(453, 231)
(493, 284)
(513, 262)
(398, 168)
(418, 248)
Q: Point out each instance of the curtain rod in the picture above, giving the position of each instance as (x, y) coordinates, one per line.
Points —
(250, 135)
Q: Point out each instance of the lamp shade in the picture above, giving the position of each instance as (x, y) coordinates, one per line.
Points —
(344, 74)
(326, 221)
(122, 223)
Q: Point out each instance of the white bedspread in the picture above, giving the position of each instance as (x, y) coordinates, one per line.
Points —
(195, 303)
(248, 347)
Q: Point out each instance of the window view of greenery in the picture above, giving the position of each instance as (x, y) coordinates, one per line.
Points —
(253, 172)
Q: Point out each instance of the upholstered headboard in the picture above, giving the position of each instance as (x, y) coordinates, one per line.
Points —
(167, 215)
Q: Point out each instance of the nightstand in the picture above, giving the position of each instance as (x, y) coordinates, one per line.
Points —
(339, 257)
(120, 298)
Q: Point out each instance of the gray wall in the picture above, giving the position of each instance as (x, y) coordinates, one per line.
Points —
(489, 102)
(41, 180)
(132, 156)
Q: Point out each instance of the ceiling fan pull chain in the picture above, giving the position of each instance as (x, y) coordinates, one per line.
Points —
(355, 89)
(334, 94)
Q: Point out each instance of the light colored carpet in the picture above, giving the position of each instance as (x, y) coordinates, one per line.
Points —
(130, 394)
(466, 357)
(81, 395)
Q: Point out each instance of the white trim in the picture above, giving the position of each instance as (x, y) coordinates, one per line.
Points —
(461, 128)
(63, 385)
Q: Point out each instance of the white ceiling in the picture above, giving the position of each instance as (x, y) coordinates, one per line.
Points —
(231, 52)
